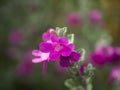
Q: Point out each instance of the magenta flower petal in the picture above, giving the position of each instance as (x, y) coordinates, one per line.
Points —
(117, 50)
(54, 55)
(98, 59)
(44, 67)
(65, 62)
(41, 56)
(75, 56)
(63, 40)
(71, 46)
(66, 51)
(37, 60)
(54, 38)
(46, 36)
(112, 55)
(36, 53)
(45, 47)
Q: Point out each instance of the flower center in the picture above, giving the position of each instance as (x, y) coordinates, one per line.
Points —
(58, 47)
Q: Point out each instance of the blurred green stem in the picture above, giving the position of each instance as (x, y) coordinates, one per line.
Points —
(88, 84)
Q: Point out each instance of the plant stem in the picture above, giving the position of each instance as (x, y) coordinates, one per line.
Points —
(88, 84)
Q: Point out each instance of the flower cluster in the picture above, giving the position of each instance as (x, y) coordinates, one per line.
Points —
(94, 17)
(105, 54)
(55, 47)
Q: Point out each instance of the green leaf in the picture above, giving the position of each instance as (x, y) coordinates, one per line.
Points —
(70, 83)
(89, 71)
(82, 54)
(70, 38)
(61, 31)
(81, 61)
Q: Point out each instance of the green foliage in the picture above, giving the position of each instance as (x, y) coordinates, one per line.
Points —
(61, 31)
(71, 38)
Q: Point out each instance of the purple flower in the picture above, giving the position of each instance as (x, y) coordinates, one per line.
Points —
(54, 48)
(99, 56)
(47, 35)
(113, 55)
(58, 46)
(41, 57)
(117, 51)
(66, 61)
(15, 37)
(103, 55)
(43, 54)
(95, 16)
(26, 66)
(74, 19)
(114, 74)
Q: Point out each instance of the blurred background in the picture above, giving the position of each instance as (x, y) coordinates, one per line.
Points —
(22, 23)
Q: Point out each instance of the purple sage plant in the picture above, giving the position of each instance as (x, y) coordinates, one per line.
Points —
(59, 47)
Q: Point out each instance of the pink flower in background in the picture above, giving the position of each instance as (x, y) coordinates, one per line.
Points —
(114, 74)
(25, 67)
(117, 50)
(95, 16)
(104, 55)
(99, 56)
(15, 37)
(113, 55)
(73, 19)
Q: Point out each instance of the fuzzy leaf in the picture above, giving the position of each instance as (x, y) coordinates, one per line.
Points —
(89, 71)
(82, 58)
(70, 83)
(71, 38)
(61, 31)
